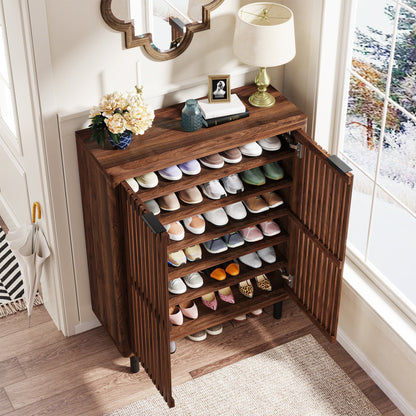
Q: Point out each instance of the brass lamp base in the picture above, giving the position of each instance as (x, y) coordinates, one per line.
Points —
(262, 98)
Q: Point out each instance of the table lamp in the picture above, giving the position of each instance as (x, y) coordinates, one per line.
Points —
(264, 36)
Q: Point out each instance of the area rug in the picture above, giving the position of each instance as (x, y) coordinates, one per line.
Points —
(11, 283)
(298, 378)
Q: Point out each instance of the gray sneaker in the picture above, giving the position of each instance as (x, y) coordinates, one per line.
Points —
(215, 246)
(153, 206)
(233, 240)
(233, 184)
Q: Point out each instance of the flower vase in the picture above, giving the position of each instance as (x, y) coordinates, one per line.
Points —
(125, 140)
(191, 116)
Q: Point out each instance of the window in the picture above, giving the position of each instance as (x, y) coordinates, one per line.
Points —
(379, 142)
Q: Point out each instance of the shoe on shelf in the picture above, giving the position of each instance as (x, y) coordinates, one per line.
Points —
(176, 286)
(256, 204)
(190, 196)
(246, 288)
(233, 240)
(169, 202)
(172, 347)
(256, 312)
(232, 268)
(251, 260)
(214, 330)
(198, 336)
(251, 234)
(269, 228)
(177, 258)
(213, 189)
(253, 176)
(236, 211)
(251, 149)
(133, 184)
(172, 173)
(215, 246)
(191, 167)
(226, 295)
(270, 144)
(148, 180)
(216, 272)
(232, 184)
(216, 217)
(193, 280)
(272, 199)
(263, 283)
(240, 318)
(175, 231)
(210, 301)
(175, 315)
(231, 155)
(152, 206)
(189, 309)
(267, 254)
(273, 171)
(193, 253)
(214, 161)
(195, 224)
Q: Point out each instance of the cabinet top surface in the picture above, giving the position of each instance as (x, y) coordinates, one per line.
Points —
(166, 144)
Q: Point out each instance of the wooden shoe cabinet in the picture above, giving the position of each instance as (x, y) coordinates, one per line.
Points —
(127, 246)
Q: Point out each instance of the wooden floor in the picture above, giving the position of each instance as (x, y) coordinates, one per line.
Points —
(44, 373)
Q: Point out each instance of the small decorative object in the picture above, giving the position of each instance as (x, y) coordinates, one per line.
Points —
(191, 116)
(219, 88)
(264, 36)
(118, 117)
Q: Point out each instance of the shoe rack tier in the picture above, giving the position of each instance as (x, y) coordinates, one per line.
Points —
(213, 231)
(188, 210)
(165, 187)
(212, 285)
(209, 260)
(227, 311)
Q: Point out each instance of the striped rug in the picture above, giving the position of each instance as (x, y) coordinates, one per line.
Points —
(11, 283)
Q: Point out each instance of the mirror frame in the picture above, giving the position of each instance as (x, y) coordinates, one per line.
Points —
(145, 40)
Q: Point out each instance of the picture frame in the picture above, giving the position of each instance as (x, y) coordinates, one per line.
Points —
(219, 89)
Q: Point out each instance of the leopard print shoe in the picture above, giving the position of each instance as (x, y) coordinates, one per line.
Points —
(263, 283)
(246, 288)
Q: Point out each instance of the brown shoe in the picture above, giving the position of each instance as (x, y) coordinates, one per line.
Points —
(190, 195)
(169, 202)
(272, 199)
(256, 204)
(231, 155)
(214, 161)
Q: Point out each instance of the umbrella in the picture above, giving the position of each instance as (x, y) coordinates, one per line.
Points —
(30, 247)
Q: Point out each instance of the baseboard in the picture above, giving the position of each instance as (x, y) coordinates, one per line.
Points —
(389, 390)
(87, 325)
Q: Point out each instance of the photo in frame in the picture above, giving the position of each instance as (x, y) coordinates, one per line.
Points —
(219, 89)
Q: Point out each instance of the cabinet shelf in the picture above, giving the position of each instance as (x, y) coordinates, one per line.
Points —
(212, 285)
(227, 311)
(212, 231)
(209, 260)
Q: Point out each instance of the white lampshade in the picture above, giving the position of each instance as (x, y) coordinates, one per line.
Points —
(264, 34)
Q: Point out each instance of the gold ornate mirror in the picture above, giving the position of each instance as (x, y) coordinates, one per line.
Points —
(164, 28)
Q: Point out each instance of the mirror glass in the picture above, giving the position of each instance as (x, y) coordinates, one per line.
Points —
(165, 20)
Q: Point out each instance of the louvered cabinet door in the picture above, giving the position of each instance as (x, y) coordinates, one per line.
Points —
(146, 260)
(320, 207)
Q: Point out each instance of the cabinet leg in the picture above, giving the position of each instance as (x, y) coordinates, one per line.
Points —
(134, 364)
(277, 310)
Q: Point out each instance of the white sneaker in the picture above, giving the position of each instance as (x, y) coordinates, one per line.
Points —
(251, 149)
(176, 286)
(175, 231)
(271, 143)
(193, 280)
(195, 224)
(153, 206)
(267, 254)
(236, 211)
(133, 184)
(216, 216)
(148, 180)
(233, 184)
(251, 260)
(213, 189)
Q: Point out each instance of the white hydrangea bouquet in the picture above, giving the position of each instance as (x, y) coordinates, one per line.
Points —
(118, 117)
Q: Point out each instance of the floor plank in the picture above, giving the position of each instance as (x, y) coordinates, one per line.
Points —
(5, 405)
(10, 372)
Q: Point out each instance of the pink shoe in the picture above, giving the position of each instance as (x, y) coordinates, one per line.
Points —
(210, 301)
(251, 234)
(189, 309)
(269, 228)
(175, 315)
(226, 295)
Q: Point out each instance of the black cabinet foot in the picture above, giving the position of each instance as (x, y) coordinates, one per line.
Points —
(134, 364)
(277, 310)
